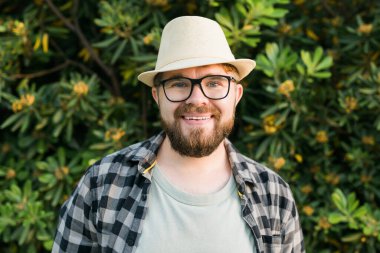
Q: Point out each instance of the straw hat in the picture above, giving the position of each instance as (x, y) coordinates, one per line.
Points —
(192, 41)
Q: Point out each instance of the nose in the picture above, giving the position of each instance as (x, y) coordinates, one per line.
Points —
(197, 97)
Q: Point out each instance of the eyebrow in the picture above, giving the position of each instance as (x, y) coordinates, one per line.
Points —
(174, 76)
(180, 75)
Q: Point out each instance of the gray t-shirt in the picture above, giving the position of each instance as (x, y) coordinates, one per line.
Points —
(179, 222)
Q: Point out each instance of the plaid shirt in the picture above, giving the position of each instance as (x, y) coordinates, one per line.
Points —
(107, 209)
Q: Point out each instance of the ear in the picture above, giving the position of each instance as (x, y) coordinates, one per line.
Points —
(239, 93)
(155, 94)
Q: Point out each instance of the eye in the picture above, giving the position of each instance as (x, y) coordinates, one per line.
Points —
(213, 84)
(177, 83)
(216, 82)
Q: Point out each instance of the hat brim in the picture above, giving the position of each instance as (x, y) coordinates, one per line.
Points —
(244, 66)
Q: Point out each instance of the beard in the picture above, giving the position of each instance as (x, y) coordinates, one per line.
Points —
(197, 143)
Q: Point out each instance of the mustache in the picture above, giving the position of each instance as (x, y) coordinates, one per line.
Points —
(190, 108)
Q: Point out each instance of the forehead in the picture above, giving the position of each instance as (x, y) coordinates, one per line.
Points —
(197, 72)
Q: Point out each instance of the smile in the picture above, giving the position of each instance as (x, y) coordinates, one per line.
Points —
(196, 118)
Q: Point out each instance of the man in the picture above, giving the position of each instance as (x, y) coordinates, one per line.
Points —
(187, 189)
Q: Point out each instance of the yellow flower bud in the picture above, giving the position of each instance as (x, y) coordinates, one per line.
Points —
(351, 104)
(37, 43)
(80, 88)
(17, 106)
(311, 34)
(161, 3)
(45, 42)
(269, 124)
(365, 179)
(368, 140)
(11, 173)
(84, 54)
(365, 28)
(65, 170)
(298, 2)
(332, 178)
(324, 223)
(322, 137)
(58, 174)
(308, 210)
(5, 148)
(115, 134)
(286, 87)
(279, 163)
(148, 39)
(28, 99)
(285, 28)
(19, 29)
(307, 189)
(299, 158)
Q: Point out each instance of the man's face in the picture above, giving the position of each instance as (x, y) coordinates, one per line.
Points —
(197, 126)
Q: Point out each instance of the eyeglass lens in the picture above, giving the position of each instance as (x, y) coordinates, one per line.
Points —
(213, 87)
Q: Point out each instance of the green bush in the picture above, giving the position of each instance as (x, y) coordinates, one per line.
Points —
(311, 110)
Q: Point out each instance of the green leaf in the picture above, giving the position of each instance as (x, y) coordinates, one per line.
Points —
(25, 123)
(268, 21)
(325, 63)
(47, 178)
(321, 75)
(300, 69)
(57, 131)
(118, 51)
(272, 50)
(58, 115)
(352, 238)
(360, 212)
(279, 13)
(353, 203)
(24, 234)
(339, 200)
(262, 148)
(43, 122)
(100, 146)
(61, 156)
(318, 53)
(11, 120)
(69, 130)
(105, 43)
(224, 19)
(305, 56)
(295, 122)
(48, 245)
(58, 195)
(335, 218)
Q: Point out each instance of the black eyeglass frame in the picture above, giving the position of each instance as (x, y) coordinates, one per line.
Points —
(199, 82)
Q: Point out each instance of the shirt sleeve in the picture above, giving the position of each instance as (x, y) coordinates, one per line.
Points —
(292, 236)
(76, 231)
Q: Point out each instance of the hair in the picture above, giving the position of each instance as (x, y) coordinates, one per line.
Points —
(227, 67)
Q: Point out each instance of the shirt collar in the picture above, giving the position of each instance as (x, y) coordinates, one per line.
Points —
(146, 155)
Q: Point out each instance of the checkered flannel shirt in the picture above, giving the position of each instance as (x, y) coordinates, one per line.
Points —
(106, 211)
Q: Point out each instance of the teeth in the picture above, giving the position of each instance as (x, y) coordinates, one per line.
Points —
(197, 118)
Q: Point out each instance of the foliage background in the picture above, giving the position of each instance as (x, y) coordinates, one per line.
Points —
(311, 110)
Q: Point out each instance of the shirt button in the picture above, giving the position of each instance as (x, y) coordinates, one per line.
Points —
(130, 242)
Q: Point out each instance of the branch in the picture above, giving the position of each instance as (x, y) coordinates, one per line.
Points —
(77, 30)
(41, 73)
(328, 9)
(83, 67)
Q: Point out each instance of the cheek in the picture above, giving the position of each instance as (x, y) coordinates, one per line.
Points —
(167, 110)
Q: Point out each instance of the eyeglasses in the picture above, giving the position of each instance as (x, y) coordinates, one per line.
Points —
(213, 87)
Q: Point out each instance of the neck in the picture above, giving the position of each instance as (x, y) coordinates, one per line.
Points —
(192, 174)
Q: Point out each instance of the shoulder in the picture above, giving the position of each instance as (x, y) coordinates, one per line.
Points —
(260, 173)
(126, 162)
(265, 185)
